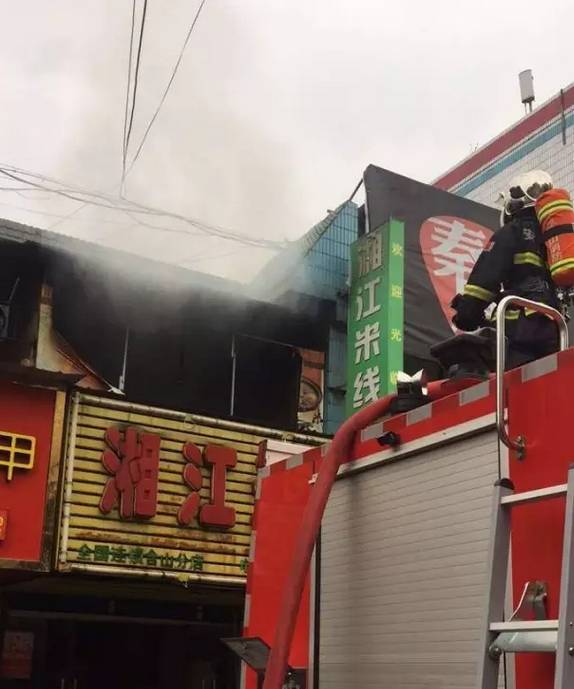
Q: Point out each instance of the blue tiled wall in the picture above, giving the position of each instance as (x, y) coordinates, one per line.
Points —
(324, 273)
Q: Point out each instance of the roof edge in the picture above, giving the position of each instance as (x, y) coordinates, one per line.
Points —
(505, 140)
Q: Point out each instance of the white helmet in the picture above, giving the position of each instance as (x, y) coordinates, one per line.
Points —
(523, 190)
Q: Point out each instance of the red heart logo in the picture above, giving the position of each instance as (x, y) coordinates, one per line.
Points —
(450, 247)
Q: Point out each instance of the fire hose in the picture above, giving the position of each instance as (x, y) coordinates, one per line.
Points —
(337, 453)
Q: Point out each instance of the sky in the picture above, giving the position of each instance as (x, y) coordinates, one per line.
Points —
(276, 110)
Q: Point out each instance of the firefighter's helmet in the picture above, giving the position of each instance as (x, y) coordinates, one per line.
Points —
(523, 191)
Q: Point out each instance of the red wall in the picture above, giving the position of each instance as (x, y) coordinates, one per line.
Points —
(27, 411)
(276, 524)
(541, 410)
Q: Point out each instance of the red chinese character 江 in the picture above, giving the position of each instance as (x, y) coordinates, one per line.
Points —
(216, 512)
(192, 477)
(132, 460)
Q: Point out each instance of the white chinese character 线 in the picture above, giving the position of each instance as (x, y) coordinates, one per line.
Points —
(367, 386)
(458, 247)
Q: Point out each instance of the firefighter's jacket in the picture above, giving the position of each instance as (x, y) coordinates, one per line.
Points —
(514, 262)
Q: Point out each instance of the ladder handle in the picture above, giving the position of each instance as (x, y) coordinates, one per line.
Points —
(564, 678)
(525, 626)
(501, 355)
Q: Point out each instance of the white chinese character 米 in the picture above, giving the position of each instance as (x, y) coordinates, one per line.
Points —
(457, 249)
(367, 342)
(366, 386)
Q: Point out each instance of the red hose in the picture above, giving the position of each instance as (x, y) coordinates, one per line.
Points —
(338, 452)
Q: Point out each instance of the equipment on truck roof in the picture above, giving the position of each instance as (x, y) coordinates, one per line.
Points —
(468, 355)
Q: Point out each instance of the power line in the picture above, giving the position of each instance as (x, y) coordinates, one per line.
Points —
(169, 83)
(122, 204)
(201, 258)
(16, 189)
(51, 180)
(135, 90)
(31, 210)
(61, 217)
(60, 192)
(84, 197)
(128, 89)
(162, 228)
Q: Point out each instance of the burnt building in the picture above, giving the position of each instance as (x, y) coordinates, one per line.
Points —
(138, 403)
(156, 333)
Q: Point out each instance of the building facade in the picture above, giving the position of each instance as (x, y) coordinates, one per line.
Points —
(312, 275)
(137, 403)
(544, 139)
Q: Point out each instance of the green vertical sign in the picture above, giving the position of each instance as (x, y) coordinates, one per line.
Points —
(375, 318)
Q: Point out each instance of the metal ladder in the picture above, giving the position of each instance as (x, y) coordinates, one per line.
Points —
(519, 444)
(519, 635)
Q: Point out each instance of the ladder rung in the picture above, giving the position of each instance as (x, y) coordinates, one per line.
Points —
(526, 642)
(534, 495)
(521, 626)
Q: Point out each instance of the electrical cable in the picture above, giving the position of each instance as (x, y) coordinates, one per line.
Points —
(77, 194)
(210, 257)
(113, 203)
(135, 90)
(168, 87)
(128, 89)
(174, 230)
(30, 210)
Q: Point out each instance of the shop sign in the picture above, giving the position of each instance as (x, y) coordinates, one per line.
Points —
(132, 459)
(311, 391)
(30, 449)
(443, 236)
(157, 491)
(375, 316)
(16, 452)
(450, 247)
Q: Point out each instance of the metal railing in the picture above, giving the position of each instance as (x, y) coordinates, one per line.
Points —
(519, 443)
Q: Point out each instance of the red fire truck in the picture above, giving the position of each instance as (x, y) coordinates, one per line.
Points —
(426, 549)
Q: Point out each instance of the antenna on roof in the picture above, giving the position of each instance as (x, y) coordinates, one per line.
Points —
(526, 80)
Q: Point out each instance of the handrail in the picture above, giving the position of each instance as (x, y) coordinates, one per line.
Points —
(560, 321)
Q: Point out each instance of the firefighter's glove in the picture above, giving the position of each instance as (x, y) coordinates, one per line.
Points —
(469, 312)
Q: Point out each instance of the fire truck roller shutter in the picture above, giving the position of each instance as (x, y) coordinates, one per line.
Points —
(403, 570)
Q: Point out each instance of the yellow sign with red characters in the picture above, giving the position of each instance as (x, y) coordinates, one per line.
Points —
(156, 492)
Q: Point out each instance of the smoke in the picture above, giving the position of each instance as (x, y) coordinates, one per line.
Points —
(276, 110)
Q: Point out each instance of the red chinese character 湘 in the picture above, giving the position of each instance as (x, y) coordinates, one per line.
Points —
(216, 513)
(132, 460)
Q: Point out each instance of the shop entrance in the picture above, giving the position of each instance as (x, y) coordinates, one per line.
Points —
(73, 633)
(77, 654)
(88, 655)
(84, 655)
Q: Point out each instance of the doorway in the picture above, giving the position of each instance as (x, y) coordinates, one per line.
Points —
(84, 655)
(100, 655)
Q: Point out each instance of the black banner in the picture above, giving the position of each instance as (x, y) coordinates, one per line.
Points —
(444, 234)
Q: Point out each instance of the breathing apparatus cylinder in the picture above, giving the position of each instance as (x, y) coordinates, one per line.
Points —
(556, 217)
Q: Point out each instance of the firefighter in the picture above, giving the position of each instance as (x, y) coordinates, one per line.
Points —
(514, 262)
